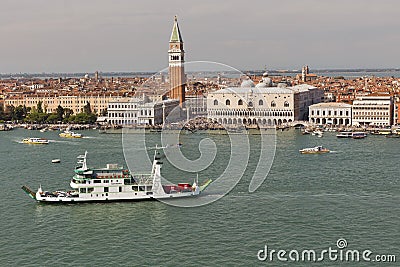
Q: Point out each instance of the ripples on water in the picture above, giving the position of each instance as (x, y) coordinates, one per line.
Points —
(307, 202)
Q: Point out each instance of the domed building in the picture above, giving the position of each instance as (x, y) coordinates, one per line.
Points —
(263, 105)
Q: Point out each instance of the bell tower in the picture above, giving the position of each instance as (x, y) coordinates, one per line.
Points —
(177, 79)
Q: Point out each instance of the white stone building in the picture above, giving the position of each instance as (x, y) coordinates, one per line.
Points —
(330, 113)
(263, 104)
(139, 112)
(374, 110)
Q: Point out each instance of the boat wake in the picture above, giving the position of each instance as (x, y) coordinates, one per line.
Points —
(334, 151)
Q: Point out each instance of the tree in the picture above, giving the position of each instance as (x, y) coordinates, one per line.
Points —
(39, 107)
(19, 113)
(52, 118)
(10, 110)
(87, 109)
(104, 112)
(67, 113)
(60, 113)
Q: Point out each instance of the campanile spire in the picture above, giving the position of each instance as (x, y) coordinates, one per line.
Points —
(177, 79)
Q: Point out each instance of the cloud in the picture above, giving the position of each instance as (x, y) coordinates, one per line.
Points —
(71, 35)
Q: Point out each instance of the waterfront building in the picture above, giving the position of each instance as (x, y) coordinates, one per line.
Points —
(332, 113)
(139, 111)
(263, 104)
(196, 106)
(76, 103)
(177, 77)
(374, 109)
(396, 116)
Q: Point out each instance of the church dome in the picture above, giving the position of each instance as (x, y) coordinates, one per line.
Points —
(261, 85)
(267, 81)
(247, 83)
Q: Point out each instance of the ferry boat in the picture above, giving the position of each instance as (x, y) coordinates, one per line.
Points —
(114, 183)
(384, 131)
(358, 135)
(69, 134)
(35, 141)
(354, 135)
(314, 150)
(344, 135)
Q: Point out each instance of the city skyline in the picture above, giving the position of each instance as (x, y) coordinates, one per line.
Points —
(69, 36)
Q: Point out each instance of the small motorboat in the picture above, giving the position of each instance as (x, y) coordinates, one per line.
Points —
(70, 134)
(35, 141)
(314, 150)
(55, 160)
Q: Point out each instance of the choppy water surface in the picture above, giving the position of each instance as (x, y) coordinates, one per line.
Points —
(307, 202)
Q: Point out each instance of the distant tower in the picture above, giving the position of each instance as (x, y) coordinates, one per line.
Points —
(177, 78)
(303, 74)
(96, 76)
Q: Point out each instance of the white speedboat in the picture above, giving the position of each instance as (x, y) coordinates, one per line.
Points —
(114, 183)
(314, 150)
(35, 141)
(70, 134)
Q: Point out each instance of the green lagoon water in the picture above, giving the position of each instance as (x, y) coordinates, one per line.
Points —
(306, 202)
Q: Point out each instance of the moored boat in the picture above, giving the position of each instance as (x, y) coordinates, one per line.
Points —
(115, 183)
(358, 135)
(70, 134)
(35, 141)
(344, 135)
(392, 135)
(314, 150)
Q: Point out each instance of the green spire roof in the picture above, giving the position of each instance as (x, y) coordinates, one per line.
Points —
(176, 33)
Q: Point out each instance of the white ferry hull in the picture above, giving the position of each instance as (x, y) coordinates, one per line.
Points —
(112, 198)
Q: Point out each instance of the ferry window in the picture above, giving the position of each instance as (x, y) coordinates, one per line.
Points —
(149, 188)
(90, 189)
(134, 188)
(120, 189)
(82, 190)
(106, 189)
(141, 188)
(106, 181)
(96, 181)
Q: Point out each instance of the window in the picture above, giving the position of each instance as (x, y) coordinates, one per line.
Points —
(96, 181)
(215, 102)
(260, 102)
(105, 189)
(273, 104)
(250, 104)
(227, 102)
(240, 102)
(90, 189)
(82, 190)
(286, 104)
(120, 189)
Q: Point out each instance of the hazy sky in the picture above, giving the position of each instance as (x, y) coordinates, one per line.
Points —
(127, 35)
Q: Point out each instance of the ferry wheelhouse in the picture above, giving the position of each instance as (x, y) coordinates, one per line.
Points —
(114, 183)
